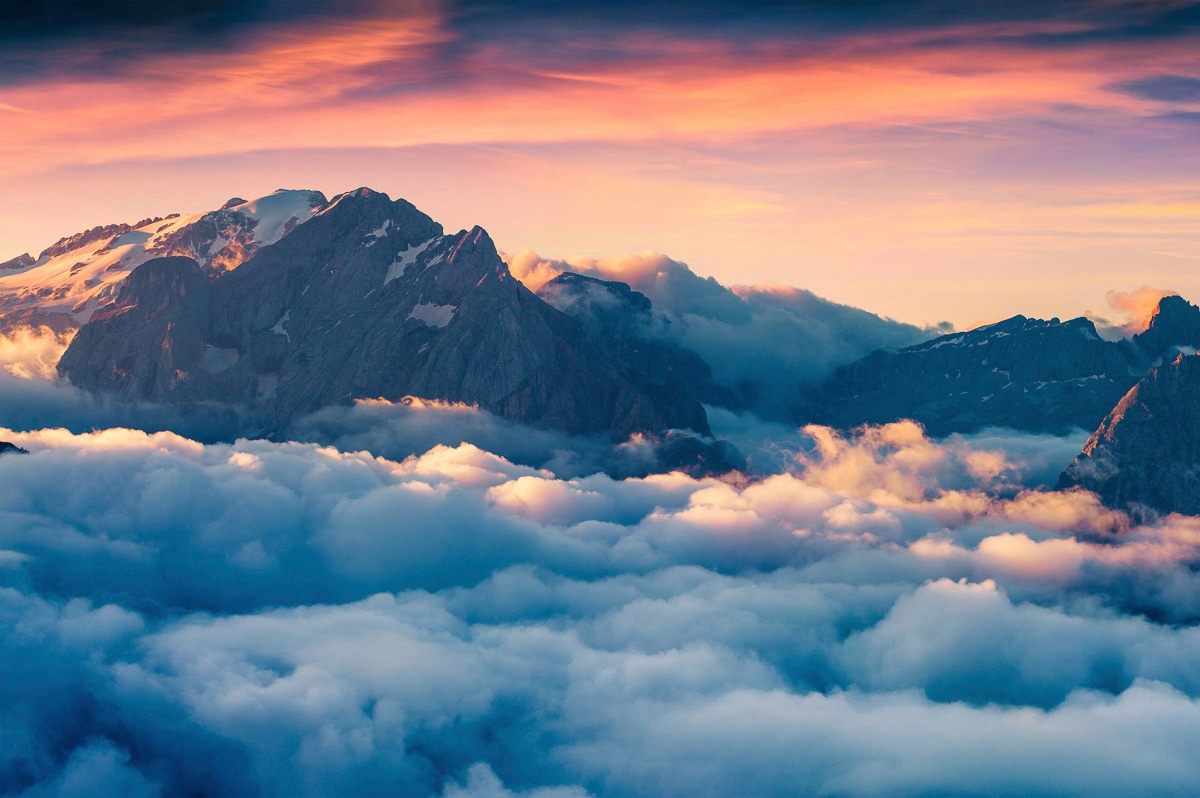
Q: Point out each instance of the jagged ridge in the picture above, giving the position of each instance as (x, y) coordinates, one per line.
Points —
(1025, 374)
(367, 299)
(1145, 455)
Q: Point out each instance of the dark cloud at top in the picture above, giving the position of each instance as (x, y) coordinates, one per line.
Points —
(39, 38)
(90, 37)
(1164, 88)
(833, 14)
(24, 19)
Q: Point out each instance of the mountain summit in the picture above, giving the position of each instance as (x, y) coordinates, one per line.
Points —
(71, 279)
(1026, 374)
(1145, 456)
(368, 298)
(1175, 325)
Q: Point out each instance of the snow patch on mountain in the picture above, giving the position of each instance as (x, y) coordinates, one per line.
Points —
(73, 278)
(405, 258)
(217, 360)
(433, 315)
(278, 213)
(379, 233)
(278, 329)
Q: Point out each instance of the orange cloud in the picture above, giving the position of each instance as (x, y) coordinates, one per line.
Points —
(880, 171)
(1138, 307)
(380, 84)
(32, 353)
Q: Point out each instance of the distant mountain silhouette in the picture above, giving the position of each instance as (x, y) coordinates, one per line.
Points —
(1025, 374)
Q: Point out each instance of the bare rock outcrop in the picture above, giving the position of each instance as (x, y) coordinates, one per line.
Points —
(1026, 374)
(1145, 455)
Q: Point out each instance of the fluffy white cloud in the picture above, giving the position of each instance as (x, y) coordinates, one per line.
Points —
(32, 352)
(886, 615)
(809, 336)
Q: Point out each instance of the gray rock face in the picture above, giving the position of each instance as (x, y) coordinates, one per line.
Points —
(367, 299)
(145, 344)
(1176, 323)
(1025, 374)
(1145, 456)
(624, 320)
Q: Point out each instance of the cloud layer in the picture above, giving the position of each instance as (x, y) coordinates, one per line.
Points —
(810, 336)
(885, 615)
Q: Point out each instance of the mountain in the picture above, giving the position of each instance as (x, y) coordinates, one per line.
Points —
(368, 298)
(638, 336)
(767, 345)
(65, 285)
(1145, 455)
(1025, 374)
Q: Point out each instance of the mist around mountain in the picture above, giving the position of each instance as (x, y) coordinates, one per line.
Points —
(357, 512)
(767, 346)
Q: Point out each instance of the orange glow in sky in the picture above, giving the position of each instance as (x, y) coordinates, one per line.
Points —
(955, 173)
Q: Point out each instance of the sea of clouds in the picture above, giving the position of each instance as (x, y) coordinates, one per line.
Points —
(423, 600)
(420, 599)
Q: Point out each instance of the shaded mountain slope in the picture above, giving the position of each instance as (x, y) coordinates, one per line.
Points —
(1145, 455)
(367, 299)
(640, 338)
(1025, 374)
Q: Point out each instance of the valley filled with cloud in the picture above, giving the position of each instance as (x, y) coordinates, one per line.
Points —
(868, 613)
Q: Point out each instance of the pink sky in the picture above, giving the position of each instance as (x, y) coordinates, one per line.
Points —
(958, 172)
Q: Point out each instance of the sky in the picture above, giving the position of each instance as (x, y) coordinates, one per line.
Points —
(923, 160)
(422, 599)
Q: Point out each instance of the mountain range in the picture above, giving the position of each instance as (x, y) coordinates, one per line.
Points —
(367, 299)
(1024, 374)
(290, 303)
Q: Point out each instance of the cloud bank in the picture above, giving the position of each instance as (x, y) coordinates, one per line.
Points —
(886, 615)
(727, 326)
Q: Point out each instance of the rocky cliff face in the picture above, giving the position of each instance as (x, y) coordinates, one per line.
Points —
(370, 299)
(147, 344)
(1025, 374)
(1145, 455)
(1174, 325)
(625, 321)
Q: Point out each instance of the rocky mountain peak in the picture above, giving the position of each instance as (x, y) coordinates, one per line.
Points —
(640, 338)
(1175, 324)
(578, 295)
(368, 298)
(19, 263)
(75, 277)
(160, 283)
(1145, 455)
